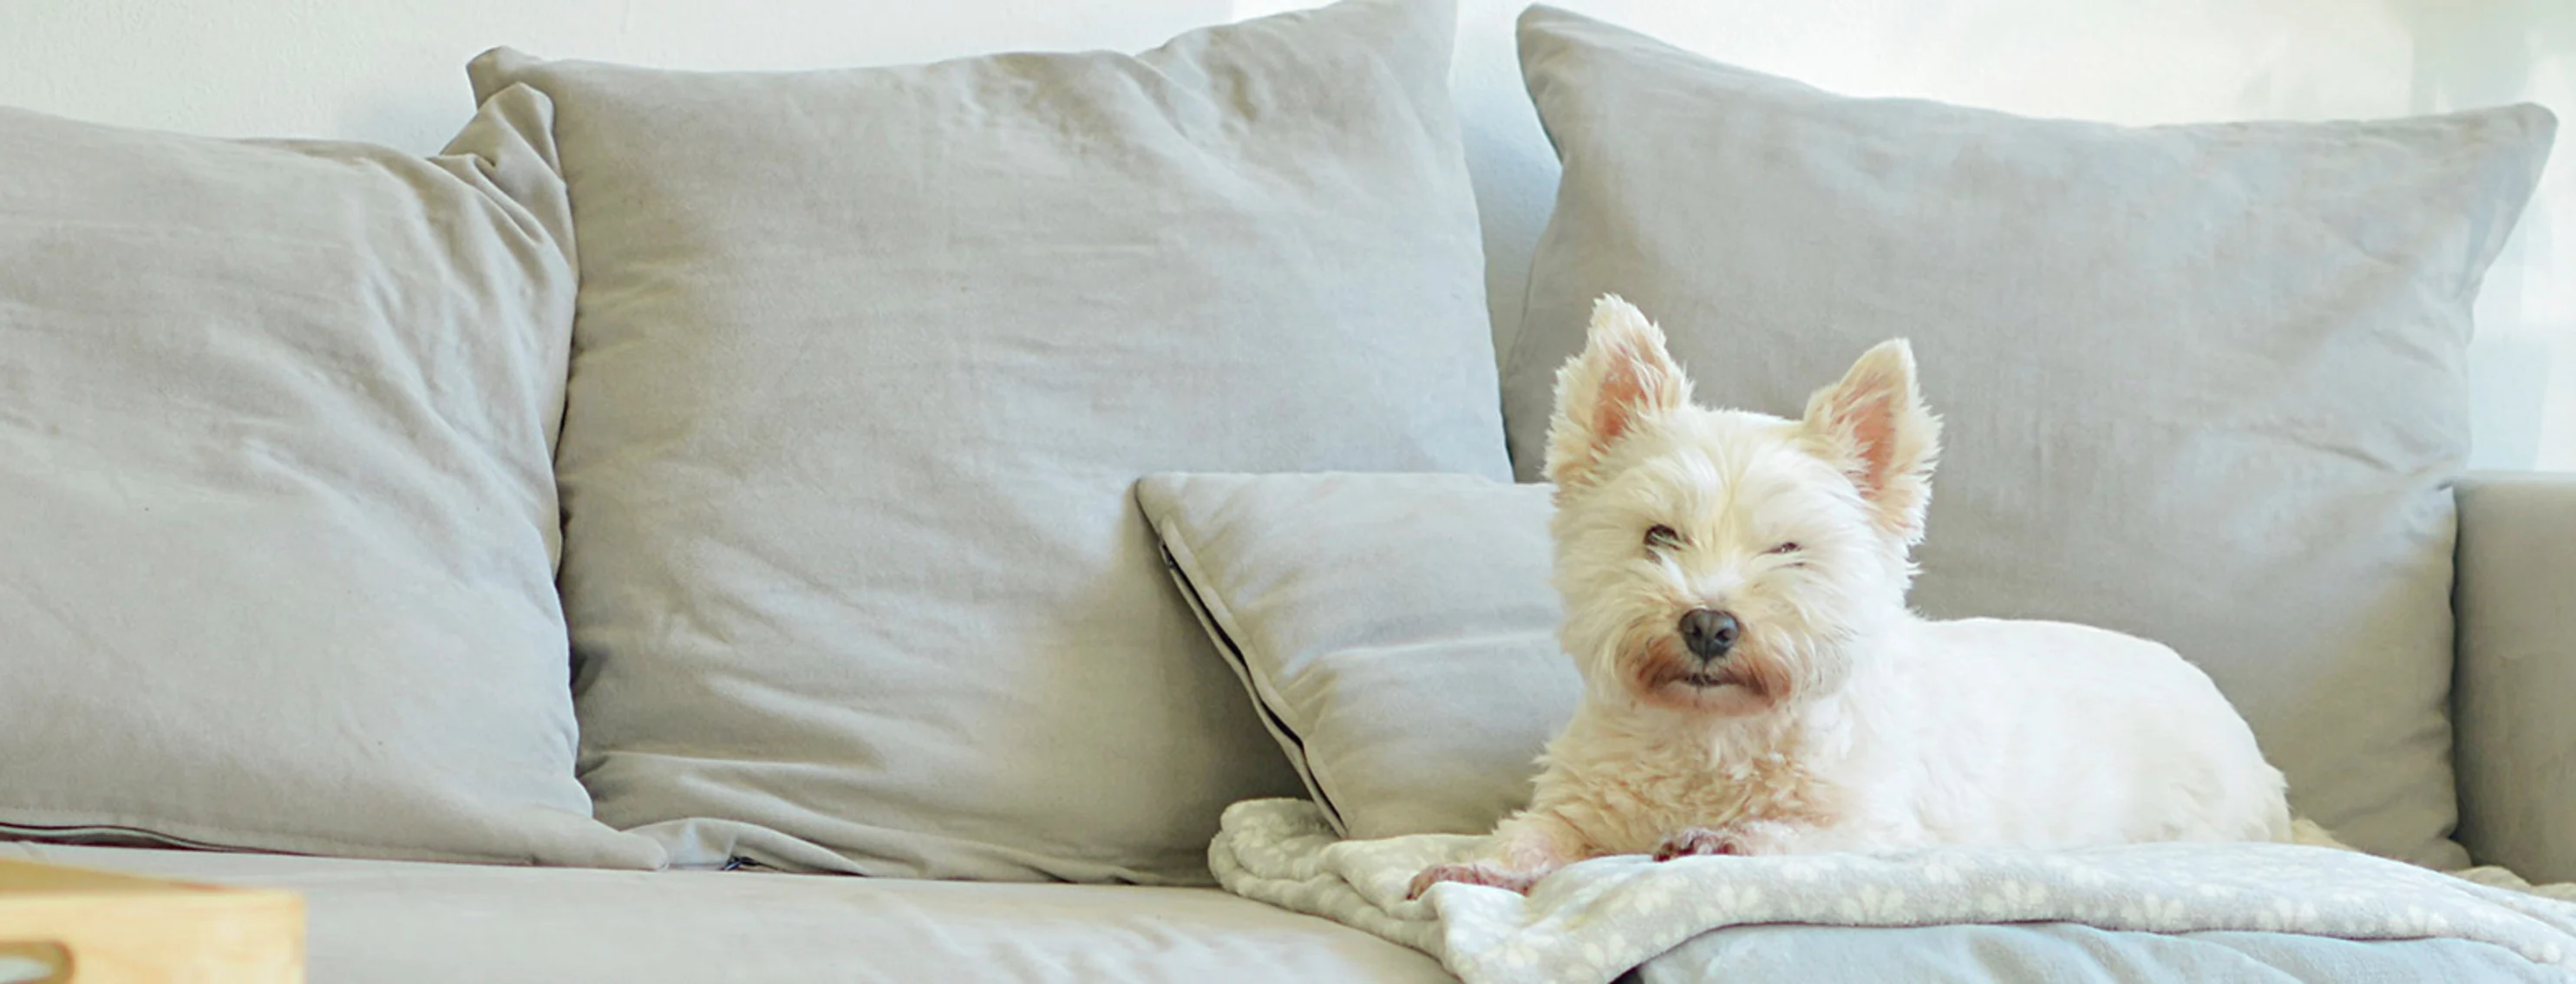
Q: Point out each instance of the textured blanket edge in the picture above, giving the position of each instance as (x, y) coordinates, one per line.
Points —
(1599, 919)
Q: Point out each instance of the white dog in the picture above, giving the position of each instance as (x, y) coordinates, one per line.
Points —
(1734, 588)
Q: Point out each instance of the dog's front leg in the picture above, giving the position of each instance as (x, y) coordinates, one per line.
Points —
(1741, 837)
(1525, 849)
(1859, 829)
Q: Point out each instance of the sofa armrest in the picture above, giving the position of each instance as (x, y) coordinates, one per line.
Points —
(2513, 696)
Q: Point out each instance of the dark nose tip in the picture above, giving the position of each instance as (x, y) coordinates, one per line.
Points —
(1709, 633)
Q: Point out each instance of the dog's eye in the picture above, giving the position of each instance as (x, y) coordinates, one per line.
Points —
(1660, 536)
(1786, 548)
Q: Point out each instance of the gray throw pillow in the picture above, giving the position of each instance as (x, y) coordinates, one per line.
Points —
(277, 506)
(1398, 632)
(866, 365)
(2201, 383)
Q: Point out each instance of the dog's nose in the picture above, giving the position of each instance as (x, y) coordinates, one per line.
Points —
(1708, 632)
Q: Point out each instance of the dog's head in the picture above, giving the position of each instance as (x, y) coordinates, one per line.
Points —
(1721, 561)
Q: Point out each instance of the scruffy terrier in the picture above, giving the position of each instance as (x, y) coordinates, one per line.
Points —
(1734, 588)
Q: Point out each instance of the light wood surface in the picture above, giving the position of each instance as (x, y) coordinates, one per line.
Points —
(98, 927)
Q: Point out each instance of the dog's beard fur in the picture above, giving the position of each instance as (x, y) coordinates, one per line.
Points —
(1643, 658)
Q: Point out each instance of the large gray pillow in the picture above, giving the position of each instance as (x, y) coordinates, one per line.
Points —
(277, 507)
(867, 364)
(2200, 383)
(1398, 632)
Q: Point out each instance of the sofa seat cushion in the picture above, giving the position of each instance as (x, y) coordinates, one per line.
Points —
(389, 922)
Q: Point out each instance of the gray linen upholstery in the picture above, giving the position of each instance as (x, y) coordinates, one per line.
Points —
(400, 923)
(2517, 672)
(380, 922)
(866, 365)
(2203, 384)
(1398, 631)
(277, 509)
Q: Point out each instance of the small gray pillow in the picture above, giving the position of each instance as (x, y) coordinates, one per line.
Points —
(867, 364)
(2204, 384)
(1397, 631)
(277, 503)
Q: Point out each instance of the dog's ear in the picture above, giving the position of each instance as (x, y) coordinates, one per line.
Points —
(1874, 426)
(1622, 376)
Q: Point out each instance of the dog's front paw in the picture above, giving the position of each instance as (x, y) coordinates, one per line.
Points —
(1471, 874)
(1697, 841)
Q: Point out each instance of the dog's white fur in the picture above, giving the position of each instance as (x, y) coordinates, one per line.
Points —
(1840, 720)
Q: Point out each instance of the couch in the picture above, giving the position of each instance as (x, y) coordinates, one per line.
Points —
(397, 921)
(685, 530)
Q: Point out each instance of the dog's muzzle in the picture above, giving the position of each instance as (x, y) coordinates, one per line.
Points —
(1709, 633)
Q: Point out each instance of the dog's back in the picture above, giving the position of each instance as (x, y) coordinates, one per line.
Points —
(2051, 734)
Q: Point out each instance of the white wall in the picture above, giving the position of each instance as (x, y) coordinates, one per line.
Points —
(391, 71)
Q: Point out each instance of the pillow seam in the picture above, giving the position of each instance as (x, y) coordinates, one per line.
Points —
(1214, 617)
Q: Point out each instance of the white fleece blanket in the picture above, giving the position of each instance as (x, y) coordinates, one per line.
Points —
(1598, 919)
